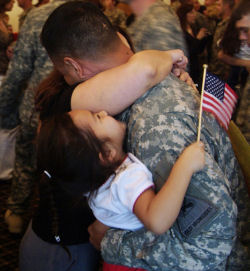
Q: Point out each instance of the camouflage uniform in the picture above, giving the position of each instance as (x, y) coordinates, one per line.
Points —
(157, 28)
(30, 64)
(117, 17)
(160, 125)
(217, 66)
(243, 112)
(23, 15)
(213, 15)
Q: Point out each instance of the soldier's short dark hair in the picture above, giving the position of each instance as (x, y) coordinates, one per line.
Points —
(78, 29)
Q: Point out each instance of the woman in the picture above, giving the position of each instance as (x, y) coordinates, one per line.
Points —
(236, 52)
(235, 40)
(6, 36)
(196, 42)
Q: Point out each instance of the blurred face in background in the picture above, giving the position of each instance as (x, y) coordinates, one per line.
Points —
(196, 4)
(209, 2)
(243, 25)
(9, 5)
(191, 17)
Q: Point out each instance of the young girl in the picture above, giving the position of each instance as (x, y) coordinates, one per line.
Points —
(85, 155)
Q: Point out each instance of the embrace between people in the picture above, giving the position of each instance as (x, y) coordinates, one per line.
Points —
(161, 116)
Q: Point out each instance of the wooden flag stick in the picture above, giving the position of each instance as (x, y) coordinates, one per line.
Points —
(202, 91)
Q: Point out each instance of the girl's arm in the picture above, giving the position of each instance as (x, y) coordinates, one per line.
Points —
(158, 212)
(116, 89)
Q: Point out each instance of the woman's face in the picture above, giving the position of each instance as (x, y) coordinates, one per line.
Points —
(9, 5)
(243, 26)
(191, 17)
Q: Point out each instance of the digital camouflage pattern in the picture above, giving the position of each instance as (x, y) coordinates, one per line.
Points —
(216, 66)
(29, 65)
(243, 112)
(157, 28)
(160, 125)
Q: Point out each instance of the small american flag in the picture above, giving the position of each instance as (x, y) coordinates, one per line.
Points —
(219, 99)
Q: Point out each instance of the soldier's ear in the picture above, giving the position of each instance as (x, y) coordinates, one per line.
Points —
(73, 66)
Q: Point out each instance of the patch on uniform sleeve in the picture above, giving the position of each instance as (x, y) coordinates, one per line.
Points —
(195, 213)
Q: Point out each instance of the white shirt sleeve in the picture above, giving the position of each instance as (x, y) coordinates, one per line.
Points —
(131, 183)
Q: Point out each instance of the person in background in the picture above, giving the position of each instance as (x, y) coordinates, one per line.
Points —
(41, 2)
(26, 5)
(216, 66)
(234, 51)
(160, 124)
(117, 16)
(175, 4)
(212, 12)
(6, 35)
(156, 27)
(30, 64)
(196, 41)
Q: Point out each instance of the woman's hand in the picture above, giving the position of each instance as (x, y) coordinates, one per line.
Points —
(97, 231)
(202, 33)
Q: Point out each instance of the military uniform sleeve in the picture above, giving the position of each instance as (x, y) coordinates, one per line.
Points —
(209, 246)
(19, 71)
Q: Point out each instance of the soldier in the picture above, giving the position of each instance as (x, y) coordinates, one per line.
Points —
(26, 5)
(115, 14)
(217, 66)
(30, 64)
(156, 27)
(160, 125)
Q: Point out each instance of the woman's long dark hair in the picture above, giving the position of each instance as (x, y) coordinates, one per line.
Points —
(68, 160)
(182, 14)
(53, 96)
(71, 156)
(230, 42)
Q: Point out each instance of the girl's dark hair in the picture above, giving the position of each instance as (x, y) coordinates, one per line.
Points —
(182, 14)
(230, 42)
(71, 156)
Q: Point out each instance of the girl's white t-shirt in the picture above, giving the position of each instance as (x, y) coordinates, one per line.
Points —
(114, 202)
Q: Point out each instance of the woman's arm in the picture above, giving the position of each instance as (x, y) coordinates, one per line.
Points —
(233, 61)
(116, 89)
(158, 212)
(97, 231)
